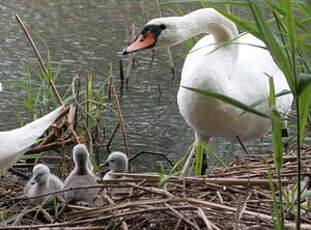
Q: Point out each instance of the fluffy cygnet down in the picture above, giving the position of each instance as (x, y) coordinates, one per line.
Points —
(42, 182)
(117, 162)
(81, 176)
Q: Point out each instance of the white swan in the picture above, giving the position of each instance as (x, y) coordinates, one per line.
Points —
(14, 143)
(117, 163)
(235, 70)
(81, 176)
(42, 182)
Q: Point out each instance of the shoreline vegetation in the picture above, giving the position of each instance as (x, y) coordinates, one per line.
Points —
(264, 191)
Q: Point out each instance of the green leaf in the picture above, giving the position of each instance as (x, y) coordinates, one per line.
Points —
(223, 2)
(276, 128)
(212, 153)
(31, 156)
(229, 100)
(306, 194)
(303, 106)
(199, 159)
(304, 83)
(273, 44)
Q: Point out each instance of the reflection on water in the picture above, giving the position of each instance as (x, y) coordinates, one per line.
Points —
(87, 37)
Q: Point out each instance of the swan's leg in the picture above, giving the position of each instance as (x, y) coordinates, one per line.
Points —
(197, 141)
(284, 135)
(204, 163)
(189, 158)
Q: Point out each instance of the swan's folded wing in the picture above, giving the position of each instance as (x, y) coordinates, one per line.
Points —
(14, 143)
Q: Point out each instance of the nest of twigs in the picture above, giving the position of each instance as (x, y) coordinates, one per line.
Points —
(241, 196)
(237, 197)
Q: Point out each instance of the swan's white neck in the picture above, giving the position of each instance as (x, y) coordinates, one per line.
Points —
(208, 20)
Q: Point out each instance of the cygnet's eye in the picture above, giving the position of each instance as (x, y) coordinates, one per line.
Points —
(40, 174)
(111, 161)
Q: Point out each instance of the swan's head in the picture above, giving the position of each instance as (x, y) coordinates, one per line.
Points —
(158, 33)
(117, 162)
(41, 174)
(81, 155)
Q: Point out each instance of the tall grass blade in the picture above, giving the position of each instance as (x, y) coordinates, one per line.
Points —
(277, 148)
(223, 2)
(199, 159)
(230, 101)
(275, 212)
(276, 128)
(212, 153)
(273, 44)
(304, 91)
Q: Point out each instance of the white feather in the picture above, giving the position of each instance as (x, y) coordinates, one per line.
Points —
(14, 143)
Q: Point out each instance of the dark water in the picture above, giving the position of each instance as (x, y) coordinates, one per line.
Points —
(87, 37)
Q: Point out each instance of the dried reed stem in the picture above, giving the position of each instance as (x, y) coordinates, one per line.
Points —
(33, 45)
(120, 115)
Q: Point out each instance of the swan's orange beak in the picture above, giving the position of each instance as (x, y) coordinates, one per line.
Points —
(145, 40)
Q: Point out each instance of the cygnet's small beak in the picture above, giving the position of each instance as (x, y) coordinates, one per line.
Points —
(34, 181)
(105, 164)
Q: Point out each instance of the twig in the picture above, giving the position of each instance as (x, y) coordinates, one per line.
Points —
(109, 217)
(113, 134)
(220, 181)
(70, 123)
(122, 123)
(53, 193)
(242, 145)
(50, 146)
(208, 223)
(131, 56)
(121, 77)
(168, 48)
(182, 217)
(152, 153)
(110, 201)
(15, 171)
(33, 45)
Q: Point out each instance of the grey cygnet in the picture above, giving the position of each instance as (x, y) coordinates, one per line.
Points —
(42, 182)
(81, 176)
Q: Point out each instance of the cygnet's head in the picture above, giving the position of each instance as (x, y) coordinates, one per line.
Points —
(80, 155)
(41, 174)
(117, 162)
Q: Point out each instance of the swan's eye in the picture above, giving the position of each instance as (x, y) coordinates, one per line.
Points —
(143, 37)
(162, 27)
